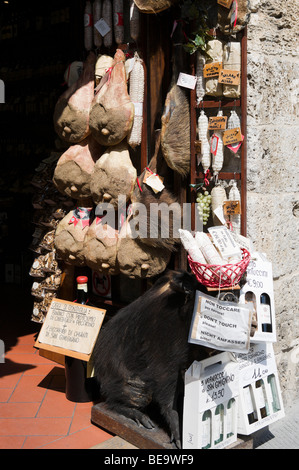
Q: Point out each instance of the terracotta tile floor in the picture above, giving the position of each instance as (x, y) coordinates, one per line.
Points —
(34, 412)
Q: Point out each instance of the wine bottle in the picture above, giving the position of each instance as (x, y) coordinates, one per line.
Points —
(266, 318)
(249, 405)
(250, 297)
(218, 424)
(80, 387)
(275, 397)
(82, 290)
(230, 417)
(206, 430)
(260, 397)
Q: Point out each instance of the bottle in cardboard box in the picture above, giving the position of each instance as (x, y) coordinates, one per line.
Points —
(206, 429)
(230, 410)
(261, 398)
(275, 397)
(218, 424)
(249, 404)
(266, 317)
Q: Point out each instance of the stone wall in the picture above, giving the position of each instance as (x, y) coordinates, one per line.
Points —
(273, 166)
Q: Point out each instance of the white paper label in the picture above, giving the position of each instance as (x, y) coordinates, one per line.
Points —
(102, 27)
(265, 314)
(138, 109)
(187, 81)
(155, 183)
(220, 325)
(225, 243)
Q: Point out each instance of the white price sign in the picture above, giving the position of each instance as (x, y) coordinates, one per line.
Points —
(220, 325)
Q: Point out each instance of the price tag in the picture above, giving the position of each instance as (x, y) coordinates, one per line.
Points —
(212, 69)
(217, 122)
(229, 77)
(187, 81)
(225, 243)
(214, 144)
(225, 3)
(102, 27)
(231, 136)
(155, 182)
(231, 208)
(220, 324)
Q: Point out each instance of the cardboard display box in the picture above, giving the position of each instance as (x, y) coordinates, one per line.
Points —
(211, 403)
(260, 284)
(260, 400)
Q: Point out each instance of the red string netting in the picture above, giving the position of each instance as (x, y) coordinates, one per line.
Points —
(214, 275)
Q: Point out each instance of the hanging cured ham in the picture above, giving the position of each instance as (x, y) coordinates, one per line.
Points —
(112, 112)
(153, 6)
(137, 260)
(70, 233)
(175, 128)
(74, 168)
(100, 247)
(113, 175)
(71, 114)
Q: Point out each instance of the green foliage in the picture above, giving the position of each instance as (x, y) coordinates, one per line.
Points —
(193, 13)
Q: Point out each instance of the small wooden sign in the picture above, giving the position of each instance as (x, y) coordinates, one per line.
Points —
(231, 136)
(70, 329)
(212, 69)
(217, 122)
(231, 208)
(225, 3)
(229, 77)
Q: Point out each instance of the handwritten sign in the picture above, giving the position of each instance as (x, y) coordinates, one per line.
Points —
(220, 324)
(212, 69)
(225, 3)
(232, 136)
(229, 77)
(231, 208)
(70, 329)
(217, 122)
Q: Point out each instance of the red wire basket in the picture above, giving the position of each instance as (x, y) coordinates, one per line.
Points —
(214, 275)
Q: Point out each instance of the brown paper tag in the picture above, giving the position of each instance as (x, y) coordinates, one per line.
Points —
(229, 77)
(197, 146)
(212, 69)
(217, 122)
(231, 136)
(225, 3)
(231, 208)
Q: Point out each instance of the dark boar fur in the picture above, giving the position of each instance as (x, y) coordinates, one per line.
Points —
(141, 352)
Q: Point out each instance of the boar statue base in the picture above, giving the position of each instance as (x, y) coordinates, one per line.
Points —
(142, 353)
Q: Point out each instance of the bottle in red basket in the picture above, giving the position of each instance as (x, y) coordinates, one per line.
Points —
(79, 387)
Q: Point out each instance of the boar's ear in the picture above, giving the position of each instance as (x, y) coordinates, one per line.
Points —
(183, 282)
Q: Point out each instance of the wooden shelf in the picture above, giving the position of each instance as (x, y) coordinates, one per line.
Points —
(222, 176)
(220, 103)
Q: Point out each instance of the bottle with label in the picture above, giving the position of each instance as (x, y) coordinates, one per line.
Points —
(265, 316)
(82, 290)
(275, 397)
(250, 297)
(261, 399)
(79, 388)
(218, 424)
(230, 417)
(249, 404)
(206, 430)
